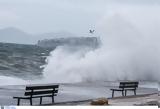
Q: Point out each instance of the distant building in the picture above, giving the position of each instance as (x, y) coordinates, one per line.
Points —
(70, 41)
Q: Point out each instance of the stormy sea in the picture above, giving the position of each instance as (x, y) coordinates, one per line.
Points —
(26, 62)
(57, 61)
(22, 61)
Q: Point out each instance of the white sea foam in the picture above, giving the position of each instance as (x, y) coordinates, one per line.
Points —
(5, 80)
(130, 50)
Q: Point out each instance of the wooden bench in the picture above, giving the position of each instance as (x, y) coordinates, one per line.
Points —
(39, 92)
(126, 86)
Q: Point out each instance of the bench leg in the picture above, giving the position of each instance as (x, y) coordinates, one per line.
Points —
(31, 101)
(112, 93)
(52, 99)
(40, 100)
(134, 92)
(18, 102)
(125, 92)
(122, 93)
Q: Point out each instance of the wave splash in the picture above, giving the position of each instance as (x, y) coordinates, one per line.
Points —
(129, 51)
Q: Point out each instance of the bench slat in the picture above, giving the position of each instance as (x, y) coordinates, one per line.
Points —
(117, 89)
(27, 97)
(134, 86)
(128, 85)
(128, 82)
(41, 87)
(40, 92)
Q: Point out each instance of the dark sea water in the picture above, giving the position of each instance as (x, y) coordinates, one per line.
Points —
(22, 61)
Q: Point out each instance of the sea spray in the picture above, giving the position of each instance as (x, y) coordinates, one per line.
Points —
(130, 51)
(4, 80)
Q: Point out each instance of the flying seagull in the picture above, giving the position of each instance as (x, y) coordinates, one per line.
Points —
(91, 31)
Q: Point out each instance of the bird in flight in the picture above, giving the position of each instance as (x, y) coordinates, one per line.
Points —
(91, 31)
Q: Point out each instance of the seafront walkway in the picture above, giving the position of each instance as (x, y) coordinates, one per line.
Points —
(73, 94)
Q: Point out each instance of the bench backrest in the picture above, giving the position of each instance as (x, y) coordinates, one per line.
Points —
(41, 90)
(131, 85)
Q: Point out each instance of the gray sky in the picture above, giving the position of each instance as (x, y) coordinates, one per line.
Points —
(75, 16)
